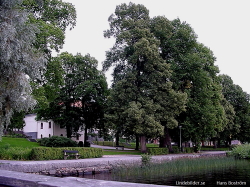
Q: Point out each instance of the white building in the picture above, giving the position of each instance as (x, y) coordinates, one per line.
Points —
(42, 129)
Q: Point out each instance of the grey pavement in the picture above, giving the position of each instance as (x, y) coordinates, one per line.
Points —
(107, 147)
(12, 172)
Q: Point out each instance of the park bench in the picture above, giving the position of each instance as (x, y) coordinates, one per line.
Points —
(68, 153)
(119, 147)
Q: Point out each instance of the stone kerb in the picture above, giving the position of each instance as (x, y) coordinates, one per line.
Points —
(72, 167)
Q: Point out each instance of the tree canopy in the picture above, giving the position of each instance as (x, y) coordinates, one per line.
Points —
(29, 30)
(142, 73)
(77, 100)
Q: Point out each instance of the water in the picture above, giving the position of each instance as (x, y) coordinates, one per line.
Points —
(229, 176)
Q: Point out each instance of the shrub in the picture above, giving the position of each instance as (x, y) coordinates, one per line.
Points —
(241, 151)
(145, 159)
(157, 151)
(15, 153)
(57, 141)
(188, 149)
(51, 153)
(176, 149)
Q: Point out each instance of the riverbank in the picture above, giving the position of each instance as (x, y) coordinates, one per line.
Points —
(80, 166)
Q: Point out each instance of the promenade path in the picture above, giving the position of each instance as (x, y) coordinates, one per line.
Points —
(16, 173)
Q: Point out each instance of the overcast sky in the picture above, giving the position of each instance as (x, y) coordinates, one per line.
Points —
(221, 25)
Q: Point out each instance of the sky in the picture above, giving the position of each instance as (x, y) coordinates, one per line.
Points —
(221, 25)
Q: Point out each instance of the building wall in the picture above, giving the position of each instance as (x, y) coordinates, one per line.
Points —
(45, 129)
(42, 129)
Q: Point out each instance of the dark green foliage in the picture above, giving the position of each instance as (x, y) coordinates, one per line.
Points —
(176, 150)
(57, 141)
(188, 150)
(48, 153)
(80, 144)
(146, 159)
(75, 93)
(240, 127)
(157, 151)
(240, 151)
(142, 98)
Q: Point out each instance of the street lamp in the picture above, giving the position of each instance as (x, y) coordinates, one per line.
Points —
(180, 137)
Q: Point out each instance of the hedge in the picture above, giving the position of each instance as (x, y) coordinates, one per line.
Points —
(15, 153)
(157, 151)
(51, 153)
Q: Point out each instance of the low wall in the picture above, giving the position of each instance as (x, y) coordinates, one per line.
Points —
(13, 172)
(88, 166)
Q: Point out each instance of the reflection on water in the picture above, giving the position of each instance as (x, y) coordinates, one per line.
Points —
(230, 176)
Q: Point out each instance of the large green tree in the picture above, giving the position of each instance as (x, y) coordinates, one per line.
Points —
(77, 100)
(30, 30)
(19, 60)
(142, 73)
(240, 102)
(194, 73)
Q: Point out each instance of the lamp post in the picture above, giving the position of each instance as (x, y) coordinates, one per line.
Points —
(180, 138)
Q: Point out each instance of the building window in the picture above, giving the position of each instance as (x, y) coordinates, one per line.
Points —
(61, 134)
(41, 125)
(49, 135)
(50, 125)
(77, 137)
(41, 136)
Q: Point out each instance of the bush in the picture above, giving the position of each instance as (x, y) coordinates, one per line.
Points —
(240, 151)
(188, 149)
(176, 149)
(51, 153)
(15, 153)
(145, 159)
(157, 151)
(57, 141)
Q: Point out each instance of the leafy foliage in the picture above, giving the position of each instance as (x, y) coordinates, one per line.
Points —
(48, 153)
(141, 76)
(75, 93)
(29, 30)
(157, 151)
(19, 60)
(240, 124)
(241, 151)
(57, 141)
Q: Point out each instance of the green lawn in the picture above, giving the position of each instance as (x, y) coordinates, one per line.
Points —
(17, 142)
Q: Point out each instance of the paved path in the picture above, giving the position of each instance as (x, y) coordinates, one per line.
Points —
(11, 172)
(107, 147)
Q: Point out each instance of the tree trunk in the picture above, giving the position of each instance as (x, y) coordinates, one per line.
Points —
(215, 143)
(137, 139)
(165, 141)
(117, 138)
(143, 144)
(85, 137)
(219, 145)
(168, 139)
(68, 131)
